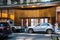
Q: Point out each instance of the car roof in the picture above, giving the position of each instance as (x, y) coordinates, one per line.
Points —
(45, 23)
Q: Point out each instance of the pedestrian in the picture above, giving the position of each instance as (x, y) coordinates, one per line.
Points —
(56, 27)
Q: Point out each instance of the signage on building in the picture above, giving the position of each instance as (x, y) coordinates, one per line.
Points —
(58, 9)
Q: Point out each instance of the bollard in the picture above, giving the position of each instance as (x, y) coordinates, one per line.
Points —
(51, 36)
(55, 38)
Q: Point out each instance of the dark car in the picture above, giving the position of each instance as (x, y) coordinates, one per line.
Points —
(5, 29)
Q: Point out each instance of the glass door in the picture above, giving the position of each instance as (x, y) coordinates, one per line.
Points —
(44, 20)
(24, 22)
(34, 22)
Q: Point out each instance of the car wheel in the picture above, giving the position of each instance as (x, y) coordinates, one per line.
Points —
(13, 29)
(6, 36)
(49, 31)
(30, 31)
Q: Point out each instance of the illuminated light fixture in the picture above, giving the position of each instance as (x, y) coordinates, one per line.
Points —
(22, 6)
(33, 6)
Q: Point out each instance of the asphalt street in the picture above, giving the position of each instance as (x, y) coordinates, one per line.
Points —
(27, 36)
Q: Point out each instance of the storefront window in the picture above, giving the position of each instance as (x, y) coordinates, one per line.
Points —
(24, 1)
(44, 20)
(30, 1)
(27, 22)
(21, 1)
(4, 13)
(7, 2)
(11, 14)
(1, 2)
(33, 0)
(41, 20)
(0, 13)
(4, 2)
(34, 22)
(15, 1)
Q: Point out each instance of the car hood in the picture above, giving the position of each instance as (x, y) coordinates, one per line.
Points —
(31, 26)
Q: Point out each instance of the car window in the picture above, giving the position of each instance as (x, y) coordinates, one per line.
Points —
(4, 24)
(38, 25)
(1, 25)
(45, 24)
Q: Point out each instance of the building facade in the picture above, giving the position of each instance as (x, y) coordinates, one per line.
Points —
(10, 2)
(28, 12)
(58, 14)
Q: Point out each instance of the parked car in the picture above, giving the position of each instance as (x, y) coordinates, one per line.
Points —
(5, 29)
(18, 29)
(58, 31)
(44, 27)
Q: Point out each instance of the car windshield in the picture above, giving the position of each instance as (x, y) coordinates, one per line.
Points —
(45, 24)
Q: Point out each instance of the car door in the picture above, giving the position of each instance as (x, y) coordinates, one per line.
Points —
(37, 27)
(43, 26)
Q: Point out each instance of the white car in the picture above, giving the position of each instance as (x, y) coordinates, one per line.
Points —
(16, 28)
(45, 27)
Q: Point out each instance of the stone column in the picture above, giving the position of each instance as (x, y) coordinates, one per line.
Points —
(28, 1)
(1, 2)
(8, 2)
(34, 0)
(21, 1)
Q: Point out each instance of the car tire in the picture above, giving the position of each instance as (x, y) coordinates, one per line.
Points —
(30, 31)
(49, 31)
(13, 29)
(6, 36)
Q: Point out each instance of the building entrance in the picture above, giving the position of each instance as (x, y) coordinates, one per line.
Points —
(33, 21)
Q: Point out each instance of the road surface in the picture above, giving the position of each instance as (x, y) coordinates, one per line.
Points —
(27, 36)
